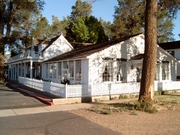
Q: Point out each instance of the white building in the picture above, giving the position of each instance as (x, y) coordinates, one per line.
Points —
(174, 49)
(118, 61)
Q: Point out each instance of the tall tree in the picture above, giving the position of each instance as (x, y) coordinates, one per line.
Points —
(21, 36)
(58, 26)
(81, 9)
(96, 30)
(149, 61)
(41, 29)
(129, 18)
(80, 30)
(107, 28)
(8, 10)
(82, 26)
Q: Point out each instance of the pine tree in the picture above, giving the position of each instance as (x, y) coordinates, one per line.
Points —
(129, 18)
(8, 10)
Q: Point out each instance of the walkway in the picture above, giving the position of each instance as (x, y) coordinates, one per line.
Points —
(46, 98)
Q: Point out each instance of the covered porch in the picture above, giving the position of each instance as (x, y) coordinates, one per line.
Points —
(28, 68)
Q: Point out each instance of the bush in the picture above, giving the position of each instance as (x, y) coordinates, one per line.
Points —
(145, 106)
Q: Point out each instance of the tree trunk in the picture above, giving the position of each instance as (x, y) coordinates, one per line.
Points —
(2, 10)
(149, 61)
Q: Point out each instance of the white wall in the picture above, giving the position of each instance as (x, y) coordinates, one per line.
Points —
(125, 49)
(177, 56)
(177, 53)
(84, 70)
(59, 46)
(163, 55)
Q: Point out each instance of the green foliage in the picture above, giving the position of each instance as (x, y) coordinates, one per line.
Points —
(129, 19)
(81, 9)
(146, 106)
(58, 27)
(82, 27)
(96, 31)
(123, 96)
(18, 18)
(42, 29)
(80, 30)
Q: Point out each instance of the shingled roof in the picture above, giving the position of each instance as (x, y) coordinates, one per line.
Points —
(170, 45)
(85, 51)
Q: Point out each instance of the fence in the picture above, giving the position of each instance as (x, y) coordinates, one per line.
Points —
(95, 89)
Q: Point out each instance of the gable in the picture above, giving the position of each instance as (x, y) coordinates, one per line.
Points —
(84, 52)
(124, 49)
(58, 46)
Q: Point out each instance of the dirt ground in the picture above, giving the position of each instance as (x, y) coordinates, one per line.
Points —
(164, 122)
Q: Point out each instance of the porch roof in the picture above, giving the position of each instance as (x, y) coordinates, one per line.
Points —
(137, 57)
(170, 45)
(83, 52)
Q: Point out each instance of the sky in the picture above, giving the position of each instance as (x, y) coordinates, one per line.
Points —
(100, 8)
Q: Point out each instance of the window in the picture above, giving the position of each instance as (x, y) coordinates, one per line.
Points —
(165, 70)
(65, 70)
(71, 70)
(46, 70)
(171, 52)
(50, 70)
(138, 74)
(121, 72)
(54, 70)
(107, 70)
(59, 70)
(78, 70)
(157, 71)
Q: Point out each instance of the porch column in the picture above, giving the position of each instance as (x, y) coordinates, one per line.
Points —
(8, 72)
(12, 66)
(17, 72)
(74, 79)
(160, 71)
(25, 70)
(31, 63)
(35, 70)
(170, 70)
(57, 71)
(21, 70)
(42, 70)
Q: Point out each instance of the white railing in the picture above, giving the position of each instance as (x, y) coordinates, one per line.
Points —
(93, 90)
(53, 88)
(24, 55)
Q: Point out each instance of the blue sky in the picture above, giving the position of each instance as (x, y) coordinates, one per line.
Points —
(101, 8)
